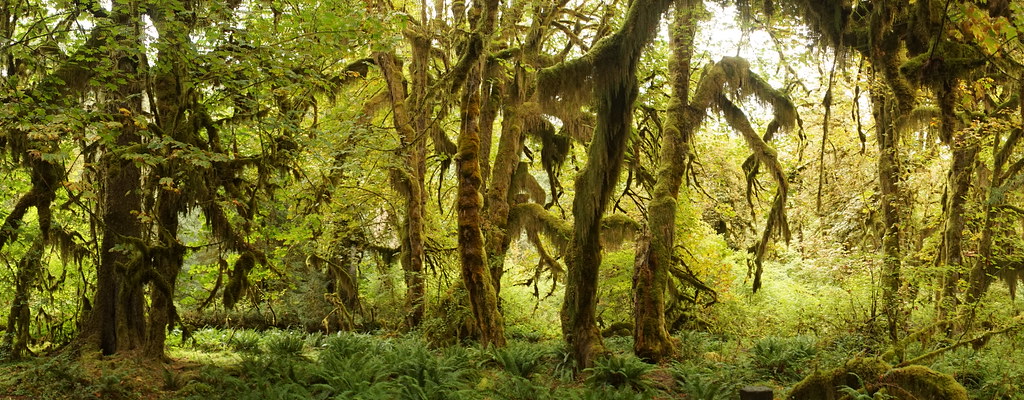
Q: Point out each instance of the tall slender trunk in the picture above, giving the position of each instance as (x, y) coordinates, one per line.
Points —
(476, 275)
(496, 208)
(655, 249)
(890, 104)
(410, 122)
(888, 180)
(958, 183)
(1003, 174)
(171, 107)
(612, 63)
(29, 269)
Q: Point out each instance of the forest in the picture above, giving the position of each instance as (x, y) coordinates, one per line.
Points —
(518, 199)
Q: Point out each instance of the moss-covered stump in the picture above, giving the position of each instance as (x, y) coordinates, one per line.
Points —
(919, 382)
(874, 375)
(824, 385)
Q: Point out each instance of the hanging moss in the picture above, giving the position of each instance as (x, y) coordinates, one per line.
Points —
(524, 182)
(948, 60)
(532, 217)
(239, 280)
(617, 228)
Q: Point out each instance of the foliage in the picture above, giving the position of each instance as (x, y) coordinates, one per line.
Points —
(519, 359)
(285, 343)
(245, 341)
(620, 372)
(782, 358)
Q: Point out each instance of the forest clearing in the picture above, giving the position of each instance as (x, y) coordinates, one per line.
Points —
(519, 199)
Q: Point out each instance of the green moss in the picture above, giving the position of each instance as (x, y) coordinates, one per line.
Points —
(919, 382)
(824, 385)
(947, 61)
(873, 374)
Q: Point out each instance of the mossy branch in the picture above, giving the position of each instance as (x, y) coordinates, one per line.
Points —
(532, 217)
(976, 342)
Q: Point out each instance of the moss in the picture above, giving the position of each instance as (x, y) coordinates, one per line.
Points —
(907, 383)
(949, 60)
(824, 385)
(919, 382)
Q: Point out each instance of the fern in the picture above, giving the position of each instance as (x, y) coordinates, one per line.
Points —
(245, 341)
(519, 359)
(781, 358)
(620, 371)
(286, 344)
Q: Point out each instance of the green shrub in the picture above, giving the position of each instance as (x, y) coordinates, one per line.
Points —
(702, 387)
(209, 340)
(352, 374)
(519, 388)
(519, 359)
(245, 341)
(422, 375)
(782, 358)
(615, 394)
(345, 344)
(172, 380)
(285, 343)
(620, 371)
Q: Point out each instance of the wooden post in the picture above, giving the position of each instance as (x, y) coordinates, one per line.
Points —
(756, 393)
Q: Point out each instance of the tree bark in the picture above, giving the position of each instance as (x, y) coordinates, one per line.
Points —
(651, 341)
(476, 273)
(890, 104)
(29, 268)
(958, 182)
(612, 63)
(411, 127)
(984, 268)
(118, 315)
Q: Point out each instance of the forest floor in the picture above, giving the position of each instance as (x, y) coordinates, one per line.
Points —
(246, 364)
(801, 322)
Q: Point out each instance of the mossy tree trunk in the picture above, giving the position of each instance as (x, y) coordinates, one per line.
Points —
(610, 66)
(172, 110)
(29, 269)
(958, 184)
(46, 177)
(476, 273)
(1004, 174)
(118, 315)
(655, 249)
(890, 103)
(410, 122)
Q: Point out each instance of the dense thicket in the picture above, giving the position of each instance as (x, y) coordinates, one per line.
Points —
(258, 164)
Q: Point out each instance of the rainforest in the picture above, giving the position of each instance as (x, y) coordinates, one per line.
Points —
(511, 199)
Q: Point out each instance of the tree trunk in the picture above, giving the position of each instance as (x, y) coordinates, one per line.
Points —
(961, 170)
(118, 315)
(984, 269)
(475, 271)
(29, 268)
(476, 274)
(889, 107)
(409, 179)
(888, 179)
(655, 249)
(612, 62)
(171, 77)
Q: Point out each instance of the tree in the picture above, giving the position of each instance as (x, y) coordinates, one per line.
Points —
(609, 69)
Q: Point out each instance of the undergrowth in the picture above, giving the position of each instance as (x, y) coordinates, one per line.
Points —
(247, 364)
